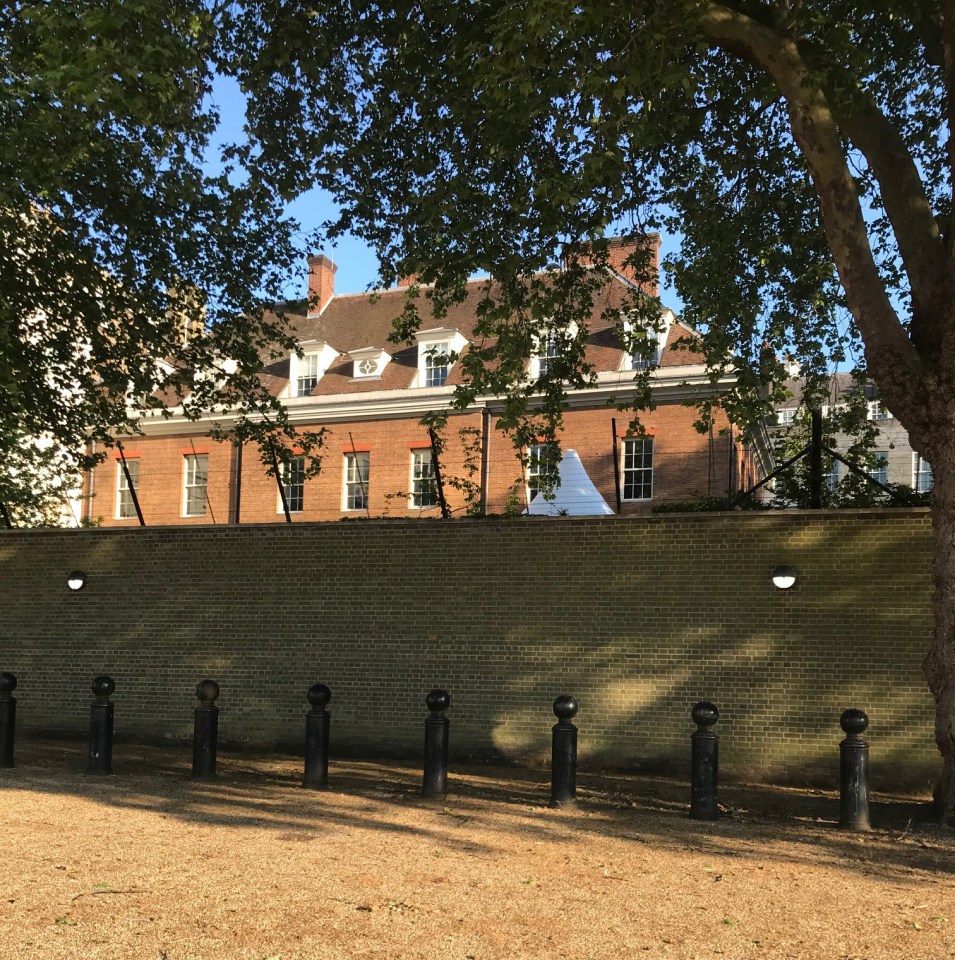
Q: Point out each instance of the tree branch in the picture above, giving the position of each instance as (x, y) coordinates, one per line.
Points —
(948, 53)
(913, 220)
(816, 132)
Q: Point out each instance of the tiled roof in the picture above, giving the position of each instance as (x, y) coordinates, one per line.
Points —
(353, 321)
(839, 385)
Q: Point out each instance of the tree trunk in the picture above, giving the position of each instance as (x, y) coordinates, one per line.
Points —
(939, 665)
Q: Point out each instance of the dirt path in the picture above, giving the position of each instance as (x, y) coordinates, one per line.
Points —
(146, 864)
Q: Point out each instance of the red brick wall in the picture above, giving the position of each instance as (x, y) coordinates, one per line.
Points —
(389, 482)
(160, 489)
(683, 464)
(686, 464)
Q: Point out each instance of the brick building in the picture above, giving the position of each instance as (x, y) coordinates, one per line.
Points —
(370, 396)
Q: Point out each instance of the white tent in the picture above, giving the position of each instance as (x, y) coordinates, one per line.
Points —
(576, 497)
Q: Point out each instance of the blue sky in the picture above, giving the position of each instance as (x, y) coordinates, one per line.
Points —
(357, 265)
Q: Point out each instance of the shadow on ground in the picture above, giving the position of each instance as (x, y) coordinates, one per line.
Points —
(260, 793)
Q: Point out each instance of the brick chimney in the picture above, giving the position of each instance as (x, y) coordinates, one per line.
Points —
(409, 280)
(619, 249)
(321, 283)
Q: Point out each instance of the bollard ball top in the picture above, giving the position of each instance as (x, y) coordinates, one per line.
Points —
(8, 682)
(207, 691)
(103, 686)
(319, 695)
(565, 708)
(438, 700)
(705, 714)
(854, 721)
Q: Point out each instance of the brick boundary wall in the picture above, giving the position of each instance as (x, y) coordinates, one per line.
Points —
(637, 617)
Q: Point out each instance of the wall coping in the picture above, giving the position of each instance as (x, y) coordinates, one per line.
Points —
(772, 517)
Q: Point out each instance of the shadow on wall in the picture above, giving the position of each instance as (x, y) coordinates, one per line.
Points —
(638, 618)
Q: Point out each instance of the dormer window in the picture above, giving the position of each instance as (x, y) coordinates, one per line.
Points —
(306, 370)
(368, 362)
(547, 349)
(549, 354)
(436, 365)
(307, 379)
(436, 352)
(644, 344)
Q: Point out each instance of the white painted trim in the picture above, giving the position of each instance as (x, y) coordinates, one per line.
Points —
(623, 482)
(667, 384)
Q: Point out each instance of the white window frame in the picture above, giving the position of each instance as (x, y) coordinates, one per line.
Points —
(628, 449)
(786, 416)
(287, 485)
(423, 478)
(307, 374)
(191, 463)
(536, 458)
(832, 478)
(637, 361)
(432, 344)
(547, 343)
(374, 358)
(918, 472)
(880, 473)
(122, 488)
(354, 481)
(876, 411)
(548, 353)
(437, 364)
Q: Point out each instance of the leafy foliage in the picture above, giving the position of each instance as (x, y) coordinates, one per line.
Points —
(630, 116)
(118, 247)
(803, 151)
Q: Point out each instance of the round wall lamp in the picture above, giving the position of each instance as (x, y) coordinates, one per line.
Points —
(783, 577)
(76, 580)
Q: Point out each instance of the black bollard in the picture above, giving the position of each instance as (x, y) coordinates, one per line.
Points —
(8, 717)
(705, 763)
(854, 772)
(436, 745)
(563, 755)
(317, 722)
(206, 737)
(101, 727)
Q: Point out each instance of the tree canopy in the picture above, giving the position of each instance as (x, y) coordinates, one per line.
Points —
(801, 150)
(116, 240)
(792, 145)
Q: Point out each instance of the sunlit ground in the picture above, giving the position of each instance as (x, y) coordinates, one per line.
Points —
(147, 864)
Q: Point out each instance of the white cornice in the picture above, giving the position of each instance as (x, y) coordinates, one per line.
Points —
(673, 384)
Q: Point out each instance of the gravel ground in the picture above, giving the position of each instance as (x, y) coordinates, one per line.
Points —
(146, 864)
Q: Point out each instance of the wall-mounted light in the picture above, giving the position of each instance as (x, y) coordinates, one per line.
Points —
(783, 577)
(76, 580)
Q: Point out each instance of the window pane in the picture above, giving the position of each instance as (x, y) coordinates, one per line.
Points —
(548, 356)
(832, 477)
(638, 469)
(880, 471)
(293, 477)
(197, 472)
(540, 465)
(436, 365)
(356, 480)
(424, 488)
(307, 375)
(125, 507)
